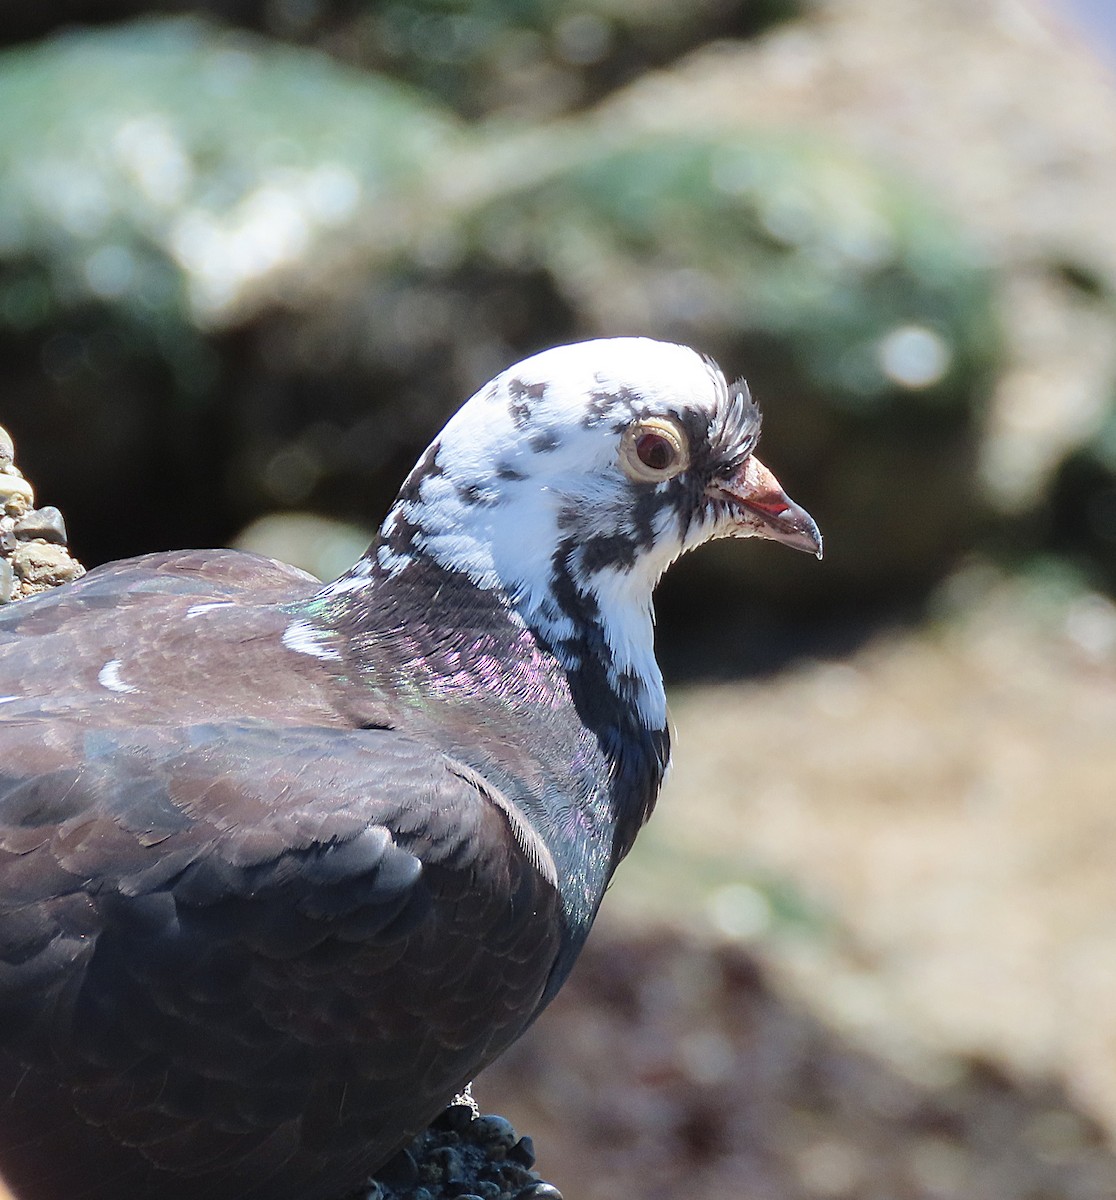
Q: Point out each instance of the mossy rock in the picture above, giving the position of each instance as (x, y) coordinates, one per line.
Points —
(172, 171)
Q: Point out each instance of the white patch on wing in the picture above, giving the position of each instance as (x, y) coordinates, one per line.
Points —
(8, 699)
(109, 677)
(196, 610)
(304, 638)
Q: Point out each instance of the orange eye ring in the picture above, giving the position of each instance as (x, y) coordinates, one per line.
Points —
(654, 450)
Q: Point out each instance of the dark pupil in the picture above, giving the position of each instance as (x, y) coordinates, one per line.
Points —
(655, 451)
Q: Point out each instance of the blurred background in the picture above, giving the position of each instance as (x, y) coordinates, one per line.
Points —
(253, 252)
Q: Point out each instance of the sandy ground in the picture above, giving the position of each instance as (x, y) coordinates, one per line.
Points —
(946, 799)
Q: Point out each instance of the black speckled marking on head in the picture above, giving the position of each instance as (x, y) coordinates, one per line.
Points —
(427, 467)
(606, 550)
(521, 397)
(401, 535)
(688, 497)
(507, 471)
(695, 423)
(579, 607)
(550, 611)
(619, 548)
(545, 441)
(605, 404)
(400, 538)
(647, 506)
(477, 495)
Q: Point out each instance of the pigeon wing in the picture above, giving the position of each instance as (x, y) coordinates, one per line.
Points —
(248, 951)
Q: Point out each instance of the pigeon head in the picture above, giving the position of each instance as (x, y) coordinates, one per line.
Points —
(575, 478)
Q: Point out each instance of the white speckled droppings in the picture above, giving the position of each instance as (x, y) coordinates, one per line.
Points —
(109, 677)
(303, 638)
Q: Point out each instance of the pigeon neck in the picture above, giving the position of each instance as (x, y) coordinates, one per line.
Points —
(432, 635)
(599, 634)
(589, 609)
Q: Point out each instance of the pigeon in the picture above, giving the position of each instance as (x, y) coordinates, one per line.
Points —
(283, 865)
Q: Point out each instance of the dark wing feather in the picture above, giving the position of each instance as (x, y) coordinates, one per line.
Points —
(187, 637)
(217, 940)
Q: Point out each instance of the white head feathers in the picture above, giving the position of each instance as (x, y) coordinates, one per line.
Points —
(572, 481)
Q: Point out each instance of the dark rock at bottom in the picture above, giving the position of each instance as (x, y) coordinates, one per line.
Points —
(462, 1156)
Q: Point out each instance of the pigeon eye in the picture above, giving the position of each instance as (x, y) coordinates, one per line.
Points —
(653, 449)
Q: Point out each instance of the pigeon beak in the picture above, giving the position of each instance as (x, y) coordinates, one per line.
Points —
(762, 509)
